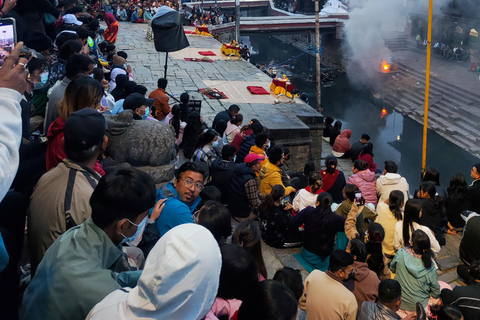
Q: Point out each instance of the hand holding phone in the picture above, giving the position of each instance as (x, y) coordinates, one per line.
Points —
(359, 201)
(13, 73)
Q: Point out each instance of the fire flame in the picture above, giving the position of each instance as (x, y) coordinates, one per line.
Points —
(384, 113)
(385, 66)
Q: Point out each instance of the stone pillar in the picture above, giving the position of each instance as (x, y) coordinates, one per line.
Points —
(316, 133)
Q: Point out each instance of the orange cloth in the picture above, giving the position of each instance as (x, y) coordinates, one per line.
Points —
(111, 32)
(160, 103)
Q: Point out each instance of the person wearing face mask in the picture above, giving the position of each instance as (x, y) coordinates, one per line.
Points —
(325, 296)
(73, 181)
(86, 263)
(139, 105)
(205, 154)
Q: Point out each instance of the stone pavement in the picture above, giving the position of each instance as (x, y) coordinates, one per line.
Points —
(232, 77)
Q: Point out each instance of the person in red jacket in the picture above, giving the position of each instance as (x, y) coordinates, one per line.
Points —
(367, 155)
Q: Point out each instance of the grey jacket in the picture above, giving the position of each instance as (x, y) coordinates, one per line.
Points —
(376, 311)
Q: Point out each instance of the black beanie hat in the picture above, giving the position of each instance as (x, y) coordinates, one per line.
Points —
(38, 41)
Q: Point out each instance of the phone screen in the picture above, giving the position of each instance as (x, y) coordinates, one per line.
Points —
(358, 197)
(8, 38)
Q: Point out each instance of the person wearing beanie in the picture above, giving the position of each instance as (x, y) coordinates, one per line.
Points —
(39, 42)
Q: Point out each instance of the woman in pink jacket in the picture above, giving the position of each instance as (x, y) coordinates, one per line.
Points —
(364, 179)
(341, 147)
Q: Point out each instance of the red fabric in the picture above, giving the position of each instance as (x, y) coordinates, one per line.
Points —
(197, 60)
(227, 46)
(235, 316)
(223, 96)
(55, 151)
(283, 84)
(257, 90)
(372, 166)
(342, 144)
(109, 19)
(237, 141)
(203, 29)
(111, 33)
(329, 179)
(206, 53)
(318, 191)
(189, 32)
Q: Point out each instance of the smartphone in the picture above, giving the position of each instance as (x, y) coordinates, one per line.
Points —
(358, 198)
(8, 37)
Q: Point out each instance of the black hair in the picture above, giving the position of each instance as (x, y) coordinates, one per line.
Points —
(257, 128)
(428, 187)
(98, 74)
(365, 136)
(421, 245)
(324, 199)
(234, 108)
(92, 34)
(228, 151)
(82, 155)
(358, 250)
(271, 300)
(308, 168)
(206, 137)
(457, 190)
(349, 190)
(261, 139)
(474, 270)
(82, 33)
(194, 126)
(292, 279)
(215, 217)
(431, 174)
(389, 291)
(375, 261)
(93, 25)
(77, 63)
(275, 155)
(278, 191)
(248, 236)
(238, 276)
(175, 120)
(69, 48)
(368, 149)
(185, 97)
(189, 166)
(449, 313)
(391, 166)
(360, 165)
(122, 194)
(331, 164)
(110, 48)
(338, 125)
(395, 202)
(122, 54)
(238, 118)
(140, 89)
(162, 82)
(220, 127)
(128, 89)
(315, 182)
(411, 215)
(36, 64)
(63, 37)
(328, 121)
(340, 259)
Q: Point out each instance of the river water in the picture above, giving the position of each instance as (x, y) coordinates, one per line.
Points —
(394, 136)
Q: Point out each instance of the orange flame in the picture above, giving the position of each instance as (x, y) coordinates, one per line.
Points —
(384, 113)
(385, 66)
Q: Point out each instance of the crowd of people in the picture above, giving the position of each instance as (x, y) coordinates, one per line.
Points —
(105, 243)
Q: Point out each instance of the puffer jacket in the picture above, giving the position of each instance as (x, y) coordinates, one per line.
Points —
(271, 175)
(365, 181)
(245, 146)
(371, 310)
(342, 144)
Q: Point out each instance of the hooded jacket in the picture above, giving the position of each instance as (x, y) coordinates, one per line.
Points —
(418, 283)
(389, 182)
(366, 283)
(180, 280)
(342, 144)
(271, 175)
(365, 181)
(260, 152)
(238, 202)
(378, 311)
(55, 151)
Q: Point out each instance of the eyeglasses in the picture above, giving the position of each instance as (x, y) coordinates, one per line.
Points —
(189, 183)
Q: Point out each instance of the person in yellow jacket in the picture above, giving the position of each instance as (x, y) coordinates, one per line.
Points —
(271, 174)
(262, 143)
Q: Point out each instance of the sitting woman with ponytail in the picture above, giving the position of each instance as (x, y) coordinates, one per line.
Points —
(415, 271)
(321, 227)
(173, 119)
(333, 179)
(389, 213)
(308, 197)
(275, 220)
(233, 127)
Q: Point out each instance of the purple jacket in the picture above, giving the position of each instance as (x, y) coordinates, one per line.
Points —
(365, 181)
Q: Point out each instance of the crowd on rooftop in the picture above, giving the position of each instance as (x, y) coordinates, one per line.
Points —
(106, 242)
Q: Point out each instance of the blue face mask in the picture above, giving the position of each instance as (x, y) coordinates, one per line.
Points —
(234, 158)
(215, 144)
(43, 81)
(91, 75)
(147, 112)
(268, 145)
(137, 237)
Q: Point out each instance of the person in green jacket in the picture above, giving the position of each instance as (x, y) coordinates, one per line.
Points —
(86, 263)
(415, 271)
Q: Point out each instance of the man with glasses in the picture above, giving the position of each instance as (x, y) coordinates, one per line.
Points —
(183, 196)
(474, 189)
(86, 263)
